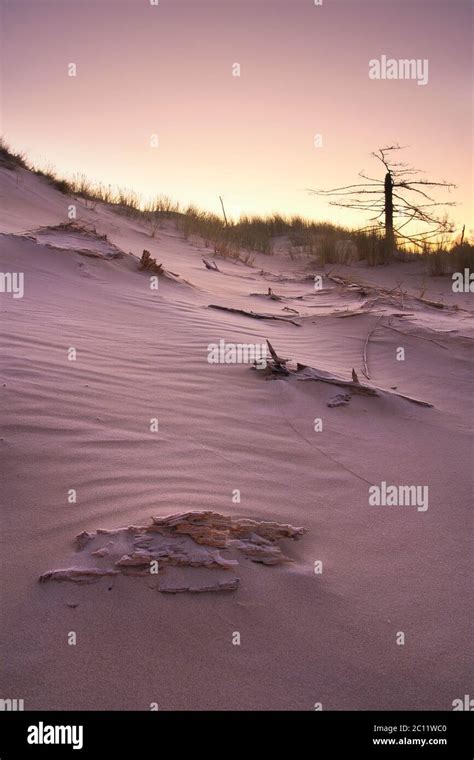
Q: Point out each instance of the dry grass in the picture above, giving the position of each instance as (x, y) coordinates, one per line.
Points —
(319, 242)
(10, 160)
(446, 261)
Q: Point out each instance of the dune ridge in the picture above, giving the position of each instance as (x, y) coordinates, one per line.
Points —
(141, 423)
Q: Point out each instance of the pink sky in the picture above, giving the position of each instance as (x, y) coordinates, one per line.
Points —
(167, 70)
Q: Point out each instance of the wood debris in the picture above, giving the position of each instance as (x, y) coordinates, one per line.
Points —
(193, 551)
(388, 295)
(277, 367)
(254, 314)
(340, 399)
(148, 264)
(211, 265)
(269, 294)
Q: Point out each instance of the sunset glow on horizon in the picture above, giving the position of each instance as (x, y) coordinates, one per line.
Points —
(169, 70)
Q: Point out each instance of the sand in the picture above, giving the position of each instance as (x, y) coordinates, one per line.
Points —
(305, 637)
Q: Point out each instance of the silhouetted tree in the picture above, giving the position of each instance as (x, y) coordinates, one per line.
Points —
(395, 201)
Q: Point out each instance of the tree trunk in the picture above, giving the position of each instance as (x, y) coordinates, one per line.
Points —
(389, 237)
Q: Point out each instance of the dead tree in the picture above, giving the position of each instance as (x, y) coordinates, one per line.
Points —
(395, 202)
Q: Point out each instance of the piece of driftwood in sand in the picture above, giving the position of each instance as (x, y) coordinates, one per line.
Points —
(340, 399)
(96, 254)
(310, 373)
(189, 551)
(269, 294)
(148, 264)
(230, 584)
(211, 265)
(387, 294)
(214, 529)
(365, 369)
(414, 335)
(254, 314)
(277, 366)
(319, 375)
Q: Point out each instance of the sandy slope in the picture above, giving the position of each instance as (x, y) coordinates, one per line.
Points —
(305, 638)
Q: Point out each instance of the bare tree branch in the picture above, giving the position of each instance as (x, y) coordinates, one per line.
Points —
(400, 212)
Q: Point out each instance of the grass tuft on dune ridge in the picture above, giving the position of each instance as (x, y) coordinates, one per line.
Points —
(319, 243)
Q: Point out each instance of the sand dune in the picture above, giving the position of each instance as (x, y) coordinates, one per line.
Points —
(306, 637)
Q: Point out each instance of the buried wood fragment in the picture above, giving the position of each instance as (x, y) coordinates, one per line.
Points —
(76, 574)
(277, 365)
(302, 372)
(269, 294)
(211, 265)
(317, 375)
(254, 314)
(365, 369)
(82, 539)
(95, 254)
(387, 294)
(433, 304)
(277, 359)
(340, 399)
(356, 387)
(228, 585)
(149, 264)
(267, 555)
(213, 529)
(414, 335)
(185, 551)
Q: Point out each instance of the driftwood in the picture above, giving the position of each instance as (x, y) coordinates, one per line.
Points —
(366, 345)
(282, 278)
(228, 585)
(211, 265)
(433, 304)
(355, 386)
(380, 292)
(414, 335)
(95, 254)
(254, 314)
(213, 529)
(346, 313)
(277, 366)
(176, 545)
(148, 264)
(277, 359)
(319, 375)
(269, 294)
(340, 399)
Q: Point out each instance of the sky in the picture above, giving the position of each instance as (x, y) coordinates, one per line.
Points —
(167, 70)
